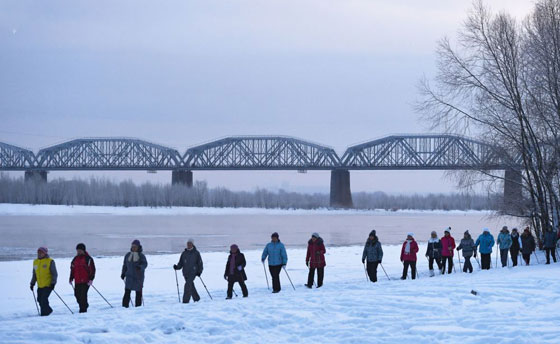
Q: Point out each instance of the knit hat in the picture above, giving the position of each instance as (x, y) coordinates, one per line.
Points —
(505, 228)
(485, 230)
(274, 235)
(315, 235)
(81, 246)
(372, 233)
(448, 230)
(136, 242)
(43, 249)
(467, 232)
(234, 247)
(434, 233)
(514, 229)
(410, 234)
(191, 240)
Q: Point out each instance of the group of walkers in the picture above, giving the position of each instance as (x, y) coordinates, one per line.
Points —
(438, 251)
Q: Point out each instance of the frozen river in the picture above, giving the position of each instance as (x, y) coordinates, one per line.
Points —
(108, 231)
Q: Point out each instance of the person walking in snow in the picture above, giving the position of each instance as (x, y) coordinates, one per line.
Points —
(408, 256)
(469, 250)
(527, 245)
(277, 259)
(134, 265)
(484, 243)
(315, 260)
(82, 271)
(235, 271)
(433, 253)
(504, 244)
(515, 246)
(447, 251)
(374, 255)
(550, 239)
(191, 263)
(45, 275)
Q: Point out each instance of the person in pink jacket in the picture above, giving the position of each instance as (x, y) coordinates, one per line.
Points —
(408, 256)
(447, 247)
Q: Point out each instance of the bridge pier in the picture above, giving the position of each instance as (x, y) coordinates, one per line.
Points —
(341, 196)
(513, 191)
(184, 177)
(36, 176)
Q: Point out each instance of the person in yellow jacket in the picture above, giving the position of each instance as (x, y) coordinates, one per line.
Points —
(44, 273)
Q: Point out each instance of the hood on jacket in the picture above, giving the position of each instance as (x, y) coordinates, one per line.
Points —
(319, 241)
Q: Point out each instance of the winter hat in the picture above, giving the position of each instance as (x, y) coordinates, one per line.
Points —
(274, 235)
(504, 228)
(410, 234)
(136, 242)
(191, 240)
(81, 246)
(43, 249)
(514, 229)
(434, 233)
(448, 230)
(485, 230)
(372, 233)
(234, 247)
(467, 232)
(315, 235)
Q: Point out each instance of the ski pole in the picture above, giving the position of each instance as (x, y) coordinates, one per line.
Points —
(479, 267)
(365, 271)
(537, 257)
(34, 298)
(497, 249)
(453, 263)
(384, 271)
(205, 287)
(286, 271)
(94, 288)
(459, 257)
(62, 301)
(234, 292)
(130, 297)
(177, 281)
(266, 276)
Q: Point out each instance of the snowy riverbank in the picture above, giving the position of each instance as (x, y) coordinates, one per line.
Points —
(7, 209)
(515, 305)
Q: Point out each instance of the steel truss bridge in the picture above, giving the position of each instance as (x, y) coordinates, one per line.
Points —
(396, 152)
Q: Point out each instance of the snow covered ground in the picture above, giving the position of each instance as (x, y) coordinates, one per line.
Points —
(7, 209)
(515, 305)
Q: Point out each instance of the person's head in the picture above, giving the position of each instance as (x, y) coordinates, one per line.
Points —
(485, 231)
(410, 236)
(514, 231)
(190, 244)
(526, 230)
(467, 234)
(274, 237)
(505, 229)
(233, 248)
(80, 249)
(447, 232)
(135, 245)
(314, 236)
(434, 234)
(42, 252)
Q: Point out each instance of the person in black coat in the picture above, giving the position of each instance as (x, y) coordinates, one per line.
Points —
(235, 271)
(433, 253)
(515, 246)
(527, 245)
(191, 263)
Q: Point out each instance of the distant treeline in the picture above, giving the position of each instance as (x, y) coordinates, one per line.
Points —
(103, 192)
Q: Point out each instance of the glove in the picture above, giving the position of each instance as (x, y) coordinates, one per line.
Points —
(122, 277)
(283, 266)
(89, 283)
(198, 274)
(240, 268)
(457, 249)
(262, 260)
(379, 261)
(427, 256)
(226, 278)
(175, 267)
(70, 281)
(31, 286)
(52, 286)
(363, 261)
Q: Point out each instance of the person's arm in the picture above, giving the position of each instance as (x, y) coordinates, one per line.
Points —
(142, 262)
(243, 261)
(284, 255)
(54, 273)
(364, 254)
(33, 278)
(124, 268)
(179, 265)
(91, 269)
(308, 255)
(72, 270)
(265, 253)
(416, 248)
(200, 265)
(380, 252)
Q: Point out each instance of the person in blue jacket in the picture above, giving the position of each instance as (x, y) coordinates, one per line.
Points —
(504, 243)
(484, 243)
(277, 258)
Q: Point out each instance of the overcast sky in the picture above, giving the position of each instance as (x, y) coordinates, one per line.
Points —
(180, 73)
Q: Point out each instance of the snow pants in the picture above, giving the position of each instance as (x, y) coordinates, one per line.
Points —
(527, 258)
(550, 251)
(80, 292)
(514, 253)
(275, 274)
(504, 257)
(231, 281)
(137, 299)
(372, 271)
(190, 290)
(431, 263)
(412, 265)
(446, 260)
(485, 260)
(320, 275)
(468, 266)
(43, 299)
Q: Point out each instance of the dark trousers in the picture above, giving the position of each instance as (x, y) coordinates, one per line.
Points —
(504, 257)
(550, 251)
(514, 252)
(485, 260)
(446, 261)
(372, 271)
(190, 290)
(275, 273)
(311, 276)
(80, 292)
(43, 299)
(412, 265)
(231, 281)
(137, 299)
(527, 258)
(431, 261)
(468, 266)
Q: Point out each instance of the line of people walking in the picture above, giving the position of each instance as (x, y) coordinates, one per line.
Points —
(439, 251)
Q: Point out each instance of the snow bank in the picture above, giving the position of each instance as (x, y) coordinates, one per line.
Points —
(7, 209)
(515, 305)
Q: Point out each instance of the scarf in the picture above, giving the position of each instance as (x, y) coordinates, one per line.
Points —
(407, 247)
(232, 264)
(133, 257)
(433, 240)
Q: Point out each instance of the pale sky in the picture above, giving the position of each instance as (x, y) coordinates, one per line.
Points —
(180, 73)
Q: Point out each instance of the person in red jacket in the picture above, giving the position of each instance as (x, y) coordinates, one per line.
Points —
(408, 256)
(315, 259)
(447, 247)
(82, 270)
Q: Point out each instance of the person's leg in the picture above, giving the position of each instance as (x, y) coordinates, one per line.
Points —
(275, 273)
(413, 269)
(320, 276)
(438, 262)
(513, 254)
(485, 261)
(503, 257)
(405, 270)
(80, 291)
(450, 268)
(374, 266)
(43, 300)
(527, 258)
(431, 263)
(231, 281)
(195, 295)
(243, 287)
(187, 291)
(126, 298)
(370, 271)
(468, 263)
(547, 251)
(138, 298)
(553, 252)
(310, 277)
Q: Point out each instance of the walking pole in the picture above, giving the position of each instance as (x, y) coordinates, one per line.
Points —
(130, 299)
(497, 249)
(63, 301)
(365, 271)
(34, 298)
(265, 275)
(479, 267)
(453, 264)
(104, 297)
(384, 271)
(205, 287)
(286, 271)
(177, 281)
(234, 292)
(535, 253)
